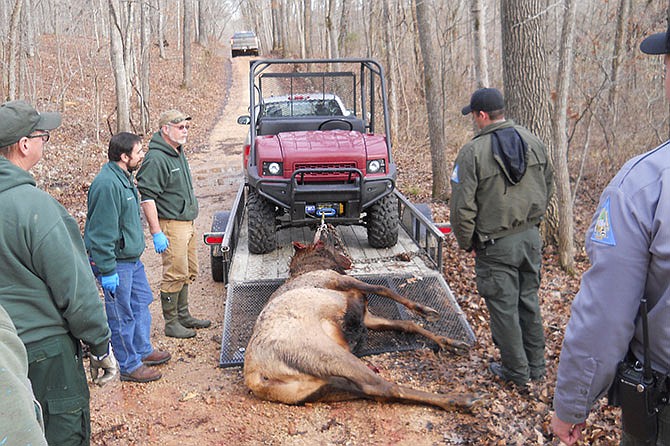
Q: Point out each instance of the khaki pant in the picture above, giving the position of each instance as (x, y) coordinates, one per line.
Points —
(180, 260)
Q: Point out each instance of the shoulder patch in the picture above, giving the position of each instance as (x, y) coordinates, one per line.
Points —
(454, 174)
(603, 232)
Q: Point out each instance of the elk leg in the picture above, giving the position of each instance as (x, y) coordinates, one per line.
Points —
(378, 323)
(351, 375)
(346, 283)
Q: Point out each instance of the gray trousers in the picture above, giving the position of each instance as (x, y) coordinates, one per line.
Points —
(663, 437)
(508, 277)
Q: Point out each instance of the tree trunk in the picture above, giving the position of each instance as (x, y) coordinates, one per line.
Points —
(276, 26)
(344, 27)
(118, 65)
(617, 56)
(431, 79)
(13, 50)
(309, 50)
(566, 246)
(203, 18)
(477, 10)
(524, 31)
(145, 67)
(186, 46)
(161, 29)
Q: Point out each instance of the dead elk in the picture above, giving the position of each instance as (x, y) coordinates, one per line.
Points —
(301, 347)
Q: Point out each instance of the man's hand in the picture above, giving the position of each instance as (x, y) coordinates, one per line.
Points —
(160, 242)
(109, 283)
(568, 433)
(108, 365)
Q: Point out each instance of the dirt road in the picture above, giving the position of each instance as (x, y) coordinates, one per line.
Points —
(198, 403)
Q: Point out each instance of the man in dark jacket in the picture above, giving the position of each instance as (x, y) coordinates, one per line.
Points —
(46, 284)
(501, 184)
(114, 239)
(170, 206)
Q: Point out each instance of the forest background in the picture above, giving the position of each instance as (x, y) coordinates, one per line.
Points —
(100, 63)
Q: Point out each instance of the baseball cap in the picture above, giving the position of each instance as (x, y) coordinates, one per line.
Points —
(172, 117)
(485, 99)
(658, 43)
(19, 119)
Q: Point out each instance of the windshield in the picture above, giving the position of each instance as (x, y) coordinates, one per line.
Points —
(303, 107)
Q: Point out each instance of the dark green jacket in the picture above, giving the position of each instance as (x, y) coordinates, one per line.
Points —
(46, 282)
(165, 177)
(113, 229)
(484, 204)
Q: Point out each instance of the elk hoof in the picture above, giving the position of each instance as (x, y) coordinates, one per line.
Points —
(429, 314)
(457, 347)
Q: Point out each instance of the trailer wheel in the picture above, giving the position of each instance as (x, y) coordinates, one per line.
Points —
(261, 224)
(383, 222)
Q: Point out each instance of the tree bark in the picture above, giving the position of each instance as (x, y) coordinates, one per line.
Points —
(13, 50)
(186, 44)
(524, 31)
(477, 10)
(145, 67)
(307, 27)
(431, 79)
(118, 65)
(276, 26)
(617, 56)
(566, 230)
(203, 19)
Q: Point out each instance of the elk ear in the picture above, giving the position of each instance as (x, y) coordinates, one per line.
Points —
(297, 246)
(343, 261)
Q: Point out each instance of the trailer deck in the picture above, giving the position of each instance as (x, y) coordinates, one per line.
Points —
(411, 268)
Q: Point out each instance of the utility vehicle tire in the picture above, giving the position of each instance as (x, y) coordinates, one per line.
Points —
(383, 222)
(261, 224)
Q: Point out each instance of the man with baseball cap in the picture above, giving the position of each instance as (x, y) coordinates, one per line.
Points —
(170, 206)
(46, 283)
(628, 244)
(500, 188)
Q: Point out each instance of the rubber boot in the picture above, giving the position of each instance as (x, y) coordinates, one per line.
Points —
(185, 317)
(173, 328)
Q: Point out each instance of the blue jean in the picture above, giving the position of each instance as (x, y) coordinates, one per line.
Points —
(129, 317)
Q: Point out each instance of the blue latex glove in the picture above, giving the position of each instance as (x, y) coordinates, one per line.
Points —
(109, 283)
(160, 242)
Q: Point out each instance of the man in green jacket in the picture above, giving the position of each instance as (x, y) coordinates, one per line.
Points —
(114, 239)
(170, 206)
(501, 184)
(46, 284)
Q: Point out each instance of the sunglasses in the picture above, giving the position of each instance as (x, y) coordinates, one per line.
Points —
(45, 136)
(181, 126)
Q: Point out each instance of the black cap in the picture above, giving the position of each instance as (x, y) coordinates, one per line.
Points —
(485, 99)
(658, 43)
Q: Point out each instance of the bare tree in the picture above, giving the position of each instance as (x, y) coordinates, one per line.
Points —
(203, 18)
(277, 33)
(144, 90)
(431, 78)
(13, 49)
(186, 46)
(617, 56)
(524, 31)
(566, 246)
(161, 29)
(477, 10)
(119, 67)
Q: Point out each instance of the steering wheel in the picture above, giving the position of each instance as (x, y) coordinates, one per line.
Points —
(336, 126)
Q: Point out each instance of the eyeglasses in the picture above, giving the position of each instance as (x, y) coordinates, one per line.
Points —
(45, 136)
(181, 126)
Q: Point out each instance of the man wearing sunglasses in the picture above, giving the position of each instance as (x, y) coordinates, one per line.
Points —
(46, 283)
(170, 207)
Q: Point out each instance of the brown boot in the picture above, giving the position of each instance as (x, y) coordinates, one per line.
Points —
(172, 326)
(142, 374)
(185, 317)
(157, 357)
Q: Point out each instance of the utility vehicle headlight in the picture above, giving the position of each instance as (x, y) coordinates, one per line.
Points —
(376, 166)
(272, 168)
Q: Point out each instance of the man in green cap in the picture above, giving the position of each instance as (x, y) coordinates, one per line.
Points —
(170, 206)
(46, 283)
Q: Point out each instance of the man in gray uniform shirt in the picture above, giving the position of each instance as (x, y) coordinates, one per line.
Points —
(628, 244)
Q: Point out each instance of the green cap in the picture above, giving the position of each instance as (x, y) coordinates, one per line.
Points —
(19, 119)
